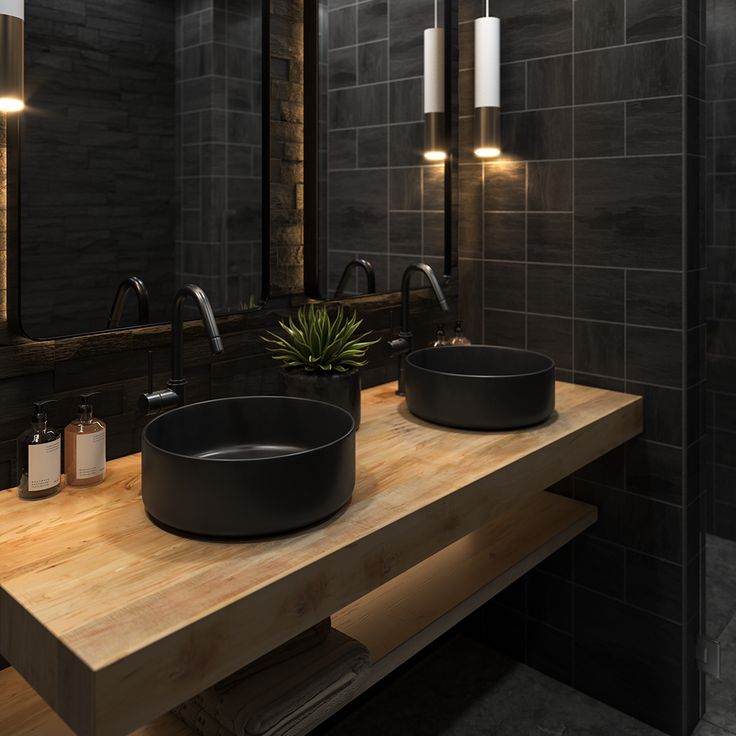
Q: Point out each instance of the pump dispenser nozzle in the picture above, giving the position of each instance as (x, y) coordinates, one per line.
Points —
(39, 410)
(85, 405)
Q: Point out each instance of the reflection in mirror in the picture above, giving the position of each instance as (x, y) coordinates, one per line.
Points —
(379, 200)
(141, 160)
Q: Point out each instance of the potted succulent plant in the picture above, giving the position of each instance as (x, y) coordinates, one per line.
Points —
(322, 353)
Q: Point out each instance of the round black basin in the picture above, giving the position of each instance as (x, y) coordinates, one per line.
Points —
(248, 466)
(480, 387)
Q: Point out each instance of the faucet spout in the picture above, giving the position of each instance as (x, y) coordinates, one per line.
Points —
(403, 345)
(175, 394)
(196, 293)
(370, 274)
(136, 285)
(406, 290)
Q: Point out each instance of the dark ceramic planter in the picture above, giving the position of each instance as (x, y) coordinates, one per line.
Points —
(339, 389)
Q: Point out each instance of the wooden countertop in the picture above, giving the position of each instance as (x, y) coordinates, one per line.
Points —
(114, 621)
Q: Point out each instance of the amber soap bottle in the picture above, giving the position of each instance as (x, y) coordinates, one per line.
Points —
(85, 446)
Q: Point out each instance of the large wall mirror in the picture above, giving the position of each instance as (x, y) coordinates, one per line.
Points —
(142, 154)
(374, 204)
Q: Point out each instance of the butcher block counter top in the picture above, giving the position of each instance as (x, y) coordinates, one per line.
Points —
(113, 621)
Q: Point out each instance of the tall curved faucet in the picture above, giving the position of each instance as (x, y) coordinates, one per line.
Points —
(175, 394)
(403, 344)
(136, 285)
(370, 273)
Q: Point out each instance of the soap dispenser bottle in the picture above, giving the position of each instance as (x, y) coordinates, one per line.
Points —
(39, 457)
(459, 338)
(85, 446)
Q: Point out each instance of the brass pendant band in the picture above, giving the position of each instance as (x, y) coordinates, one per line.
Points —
(434, 132)
(487, 129)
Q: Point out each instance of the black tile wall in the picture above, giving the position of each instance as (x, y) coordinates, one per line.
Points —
(583, 242)
(381, 201)
(218, 234)
(98, 187)
(720, 275)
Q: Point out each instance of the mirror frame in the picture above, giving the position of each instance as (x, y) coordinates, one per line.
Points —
(14, 146)
(311, 148)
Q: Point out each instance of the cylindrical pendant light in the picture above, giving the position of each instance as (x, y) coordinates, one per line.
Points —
(435, 146)
(11, 55)
(487, 86)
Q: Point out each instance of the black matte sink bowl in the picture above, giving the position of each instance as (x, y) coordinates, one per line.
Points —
(480, 387)
(248, 466)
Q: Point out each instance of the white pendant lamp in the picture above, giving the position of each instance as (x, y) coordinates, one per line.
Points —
(435, 146)
(11, 55)
(487, 86)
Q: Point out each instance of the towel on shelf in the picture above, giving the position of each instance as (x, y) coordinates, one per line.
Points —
(287, 692)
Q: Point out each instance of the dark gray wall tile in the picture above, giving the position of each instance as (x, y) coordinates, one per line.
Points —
(599, 23)
(549, 82)
(625, 73)
(505, 285)
(654, 299)
(505, 186)
(551, 336)
(647, 20)
(505, 236)
(549, 237)
(550, 186)
(549, 290)
(599, 348)
(629, 212)
(600, 130)
(654, 356)
(654, 126)
(599, 294)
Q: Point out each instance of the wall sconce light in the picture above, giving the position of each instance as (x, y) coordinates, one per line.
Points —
(435, 146)
(487, 86)
(11, 55)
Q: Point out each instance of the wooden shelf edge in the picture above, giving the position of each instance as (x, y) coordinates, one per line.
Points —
(403, 616)
(24, 713)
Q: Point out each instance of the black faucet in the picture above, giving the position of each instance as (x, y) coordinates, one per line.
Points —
(367, 266)
(175, 393)
(403, 344)
(136, 285)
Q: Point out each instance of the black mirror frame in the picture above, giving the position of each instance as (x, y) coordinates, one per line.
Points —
(311, 145)
(14, 147)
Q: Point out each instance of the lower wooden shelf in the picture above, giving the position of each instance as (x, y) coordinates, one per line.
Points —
(396, 620)
(406, 614)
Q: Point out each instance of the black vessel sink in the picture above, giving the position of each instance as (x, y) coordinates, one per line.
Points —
(480, 387)
(248, 466)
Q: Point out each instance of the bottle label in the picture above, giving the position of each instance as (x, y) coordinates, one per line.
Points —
(44, 466)
(90, 454)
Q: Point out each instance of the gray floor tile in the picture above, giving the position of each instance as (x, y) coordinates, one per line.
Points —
(720, 584)
(708, 729)
(464, 688)
(721, 694)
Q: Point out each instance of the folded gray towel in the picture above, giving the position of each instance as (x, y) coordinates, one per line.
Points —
(288, 697)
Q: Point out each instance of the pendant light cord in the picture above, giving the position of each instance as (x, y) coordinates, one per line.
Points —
(488, 8)
(436, 14)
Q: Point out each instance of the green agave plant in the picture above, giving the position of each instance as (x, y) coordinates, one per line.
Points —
(318, 340)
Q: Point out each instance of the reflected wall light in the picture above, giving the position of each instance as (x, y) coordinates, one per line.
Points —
(487, 86)
(11, 55)
(435, 145)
